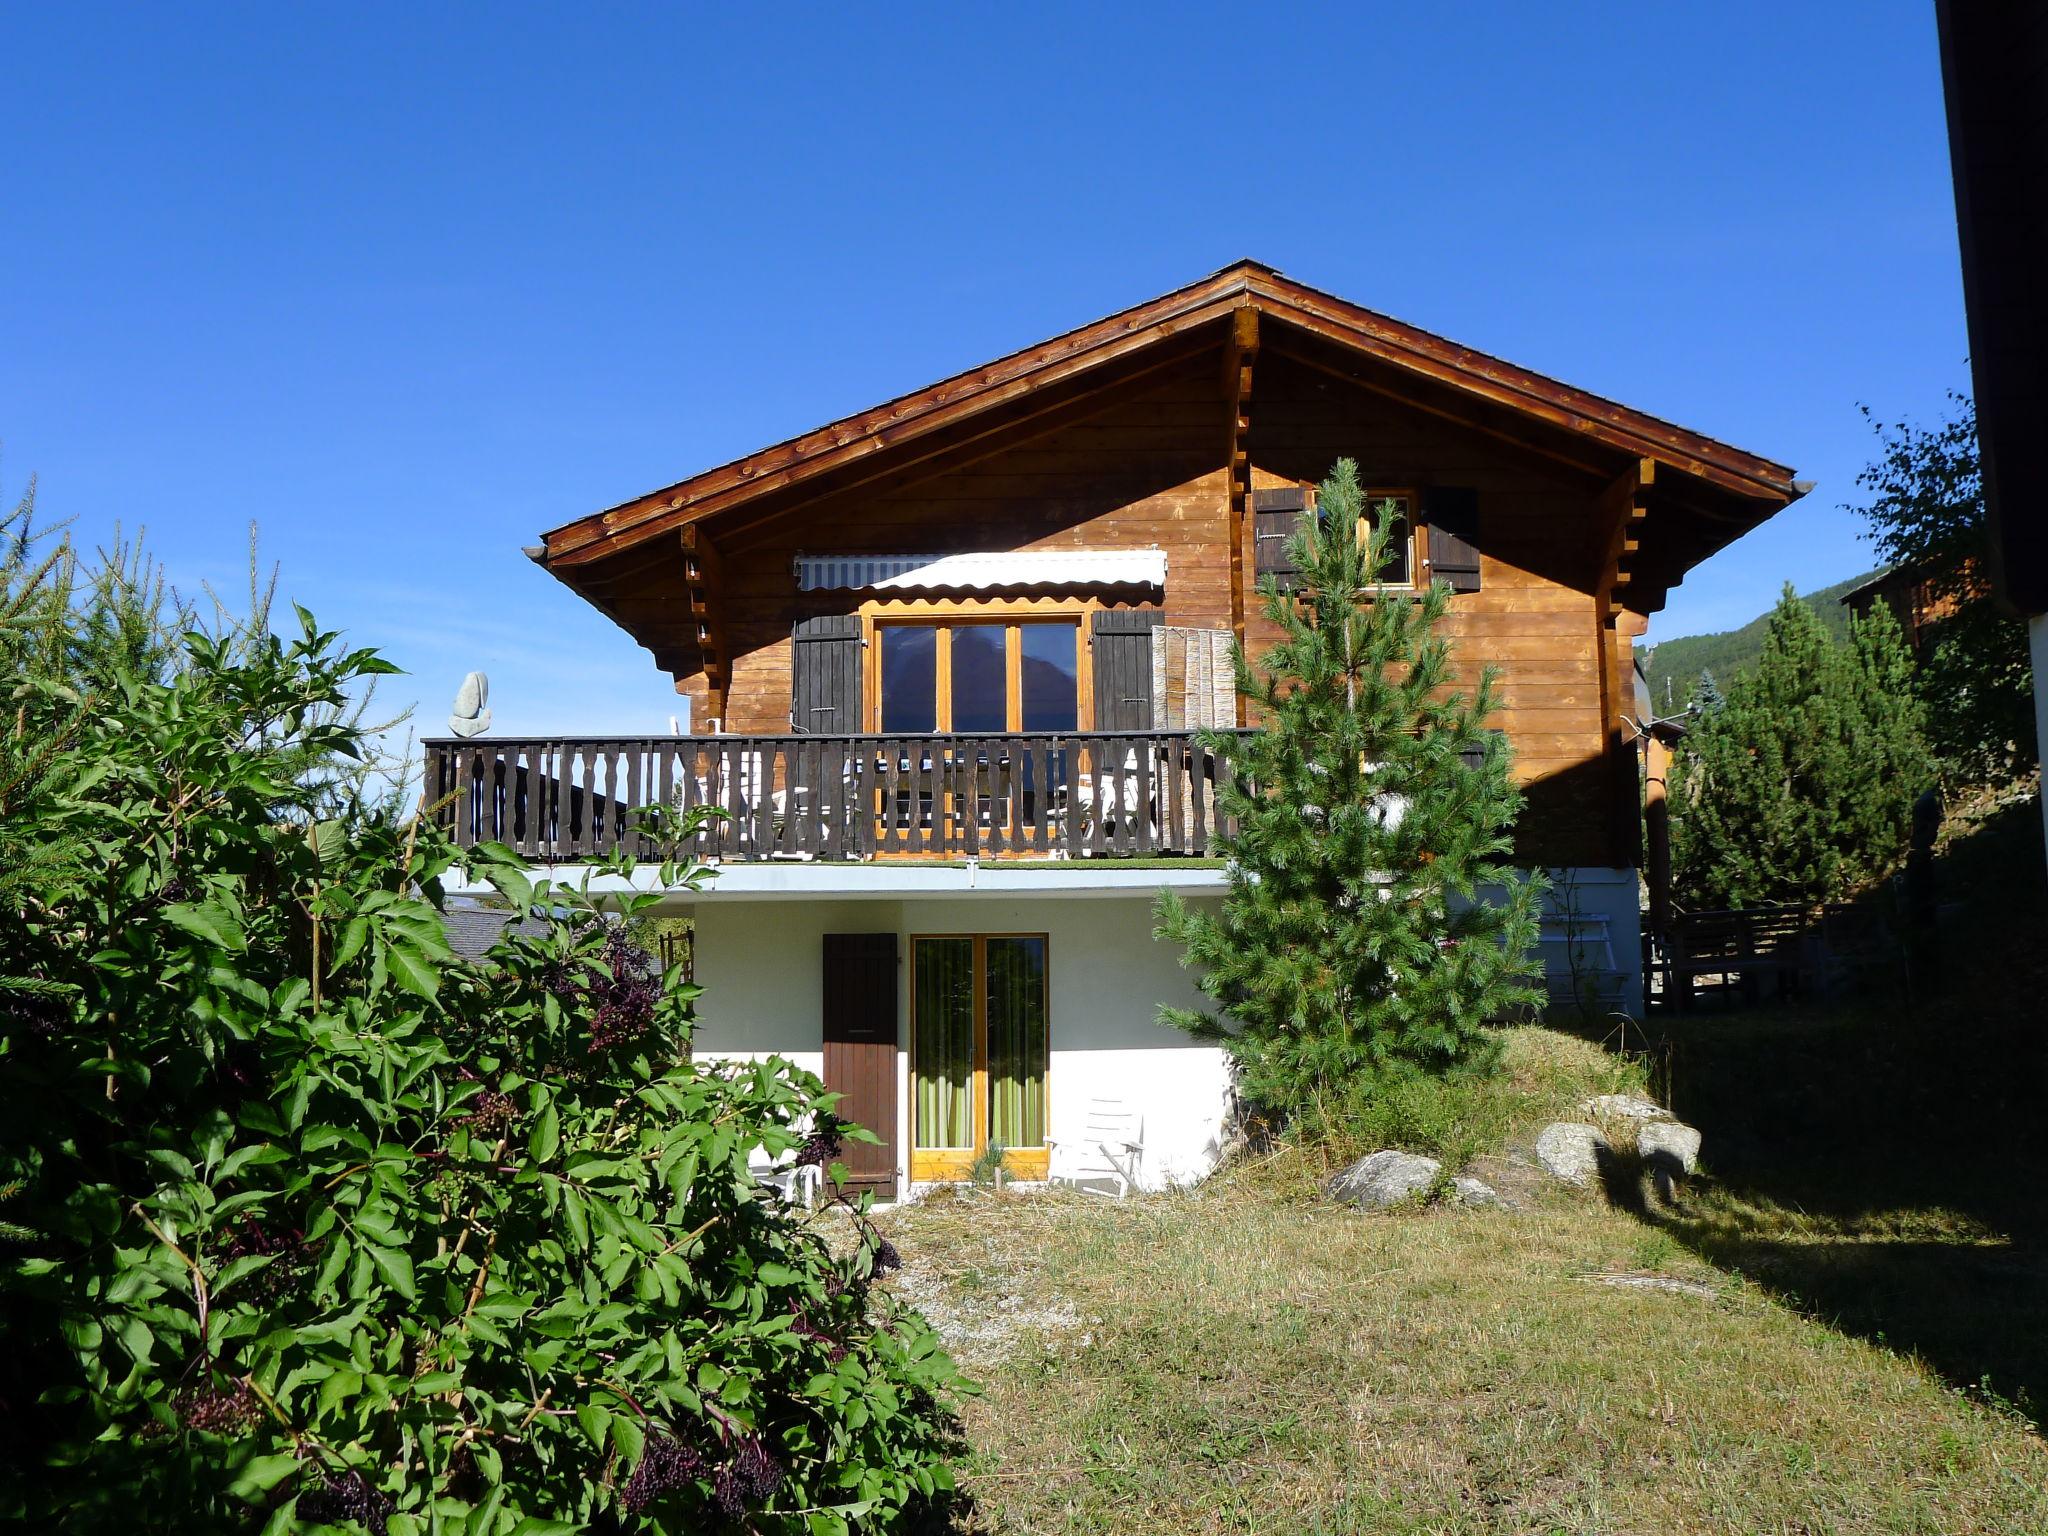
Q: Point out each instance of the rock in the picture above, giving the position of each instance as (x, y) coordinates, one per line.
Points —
(1669, 1145)
(1383, 1179)
(1571, 1152)
(1473, 1191)
(1623, 1106)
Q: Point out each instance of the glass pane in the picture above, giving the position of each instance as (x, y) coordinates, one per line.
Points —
(942, 1069)
(910, 677)
(979, 690)
(1051, 685)
(1016, 1042)
(1400, 542)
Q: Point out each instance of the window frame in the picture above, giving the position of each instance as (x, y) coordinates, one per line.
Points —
(946, 616)
(1412, 496)
(953, 1164)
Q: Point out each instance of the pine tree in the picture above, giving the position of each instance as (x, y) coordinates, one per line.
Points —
(1799, 789)
(1372, 926)
(1706, 695)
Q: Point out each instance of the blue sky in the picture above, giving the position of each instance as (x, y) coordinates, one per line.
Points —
(407, 285)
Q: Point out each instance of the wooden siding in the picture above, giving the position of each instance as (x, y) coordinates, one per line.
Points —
(1147, 470)
(1144, 473)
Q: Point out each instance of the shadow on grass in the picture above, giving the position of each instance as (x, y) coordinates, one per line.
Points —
(1880, 1164)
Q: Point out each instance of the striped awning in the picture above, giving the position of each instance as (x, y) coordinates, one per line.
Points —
(1009, 568)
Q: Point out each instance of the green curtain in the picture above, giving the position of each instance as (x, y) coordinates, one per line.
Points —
(1016, 1042)
(943, 1070)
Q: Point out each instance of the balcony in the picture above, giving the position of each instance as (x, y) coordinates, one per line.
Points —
(1119, 794)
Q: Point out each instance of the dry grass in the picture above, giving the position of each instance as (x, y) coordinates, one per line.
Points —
(1228, 1361)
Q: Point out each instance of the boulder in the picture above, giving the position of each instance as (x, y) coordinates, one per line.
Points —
(1571, 1152)
(1383, 1179)
(1623, 1106)
(1471, 1191)
(1669, 1146)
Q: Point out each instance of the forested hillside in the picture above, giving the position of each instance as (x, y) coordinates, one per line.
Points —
(1674, 666)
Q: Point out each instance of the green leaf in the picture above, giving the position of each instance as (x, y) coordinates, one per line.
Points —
(396, 1269)
(260, 1474)
(596, 1421)
(412, 971)
(209, 921)
(546, 1135)
(628, 1439)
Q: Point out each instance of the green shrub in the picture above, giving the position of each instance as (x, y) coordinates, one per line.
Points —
(1543, 1076)
(325, 1227)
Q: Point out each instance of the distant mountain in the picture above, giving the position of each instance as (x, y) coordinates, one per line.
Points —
(1677, 664)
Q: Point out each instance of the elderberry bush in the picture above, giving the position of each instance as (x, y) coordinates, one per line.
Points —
(325, 1227)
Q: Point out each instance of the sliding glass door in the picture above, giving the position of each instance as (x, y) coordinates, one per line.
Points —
(979, 1048)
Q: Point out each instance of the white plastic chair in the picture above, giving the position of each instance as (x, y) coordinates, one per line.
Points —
(1110, 1152)
(793, 1183)
(1096, 794)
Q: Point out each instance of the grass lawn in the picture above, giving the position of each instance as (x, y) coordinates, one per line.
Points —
(1842, 1326)
(1231, 1359)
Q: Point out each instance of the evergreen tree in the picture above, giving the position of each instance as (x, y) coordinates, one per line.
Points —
(1926, 514)
(1707, 696)
(1799, 789)
(1372, 927)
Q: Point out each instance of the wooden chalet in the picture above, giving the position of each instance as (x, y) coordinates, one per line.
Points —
(978, 624)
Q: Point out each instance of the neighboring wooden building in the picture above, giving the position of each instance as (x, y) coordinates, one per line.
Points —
(981, 620)
(1916, 599)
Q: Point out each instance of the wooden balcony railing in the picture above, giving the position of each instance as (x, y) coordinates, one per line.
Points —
(1104, 794)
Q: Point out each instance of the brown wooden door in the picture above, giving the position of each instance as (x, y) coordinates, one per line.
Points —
(860, 1051)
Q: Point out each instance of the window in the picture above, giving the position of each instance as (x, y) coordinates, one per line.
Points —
(978, 676)
(1397, 510)
(1277, 513)
(979, 1052)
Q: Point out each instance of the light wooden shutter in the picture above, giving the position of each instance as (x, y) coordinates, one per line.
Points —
(1192, 681)
(1122, 640)
(824, 676)
(1275, 516)
(1452, 515)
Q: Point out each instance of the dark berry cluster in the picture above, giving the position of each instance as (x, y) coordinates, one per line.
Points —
(802, 1326)
(666, 1465)
(37, 1017)
(338, 1500)
(749, 1477)
(822, 1145)
(626, 998)
(492, 1113)
(617, 998)
(219, 1410)
(293, 1255)
(886, 1257)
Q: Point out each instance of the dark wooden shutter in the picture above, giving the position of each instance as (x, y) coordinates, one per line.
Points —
(1475, 757)
(824, 676)
(860, 1051)
(1452, 513)
(1123, 668)
(1275, 516)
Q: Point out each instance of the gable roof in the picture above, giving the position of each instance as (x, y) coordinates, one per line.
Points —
(988, 399)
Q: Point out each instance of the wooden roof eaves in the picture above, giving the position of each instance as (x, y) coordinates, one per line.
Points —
(898, 420)
(1617, 426)
(1762, 482)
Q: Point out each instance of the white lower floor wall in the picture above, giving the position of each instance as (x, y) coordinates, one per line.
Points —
(761, 966)
(760, 960)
